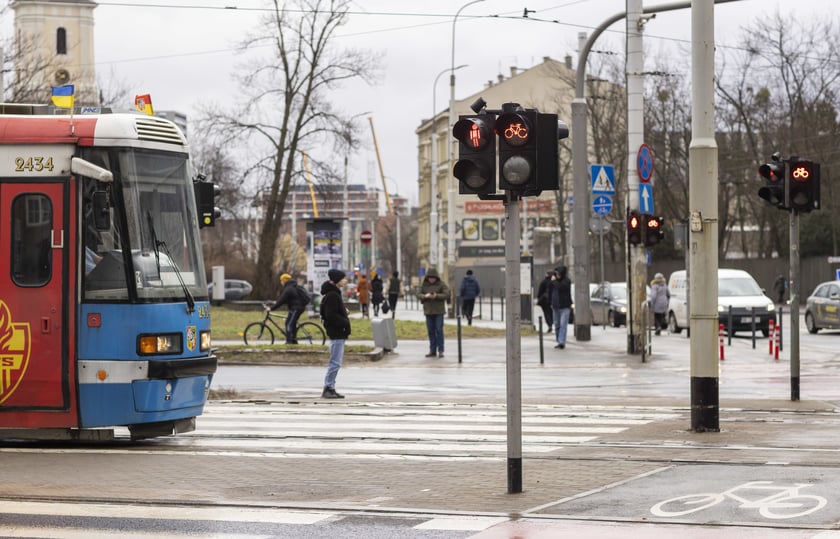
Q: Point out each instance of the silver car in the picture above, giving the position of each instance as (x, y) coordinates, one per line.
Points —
(822, 309)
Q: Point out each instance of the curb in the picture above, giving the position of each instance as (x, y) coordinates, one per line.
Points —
(307, 356)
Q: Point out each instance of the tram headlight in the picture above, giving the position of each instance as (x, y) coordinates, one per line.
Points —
(204, 341)
(164, 343)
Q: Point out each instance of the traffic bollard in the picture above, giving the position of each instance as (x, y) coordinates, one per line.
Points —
(771, 331)
(720, 338)
(776, 337)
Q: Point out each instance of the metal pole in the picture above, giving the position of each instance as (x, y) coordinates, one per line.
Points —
(703, 223)
(794, 305)
(514, 348)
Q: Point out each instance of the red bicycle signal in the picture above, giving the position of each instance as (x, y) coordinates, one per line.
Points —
(800, 173)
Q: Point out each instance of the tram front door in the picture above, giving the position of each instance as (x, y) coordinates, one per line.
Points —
(35, 305)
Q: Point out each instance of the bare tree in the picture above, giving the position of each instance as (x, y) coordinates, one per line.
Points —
(286, 103)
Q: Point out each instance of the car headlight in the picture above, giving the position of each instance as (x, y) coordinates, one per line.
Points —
(722, 308)
(164, 343)
(622, 310)
(771, 307)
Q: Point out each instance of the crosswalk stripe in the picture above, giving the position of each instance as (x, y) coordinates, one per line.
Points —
(37, 532)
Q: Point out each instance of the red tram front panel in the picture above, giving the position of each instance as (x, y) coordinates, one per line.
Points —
(37, 383)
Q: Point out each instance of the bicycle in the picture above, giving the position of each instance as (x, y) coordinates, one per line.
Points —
(261, 332)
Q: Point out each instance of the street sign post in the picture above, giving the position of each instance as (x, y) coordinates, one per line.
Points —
(603, 179)
(644, 163)
(645, 198)
(602, 205)
(366, 236)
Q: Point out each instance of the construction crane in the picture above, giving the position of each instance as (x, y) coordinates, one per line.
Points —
(391, 209)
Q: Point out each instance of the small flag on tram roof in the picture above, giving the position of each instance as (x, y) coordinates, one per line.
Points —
(144, 104)
(62, 96)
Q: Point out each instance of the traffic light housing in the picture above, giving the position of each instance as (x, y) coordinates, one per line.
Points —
(774, 190)
(804, 185)
(205, 202)
(634, 228)
(476, 166)
(653, 229)
(517, 132)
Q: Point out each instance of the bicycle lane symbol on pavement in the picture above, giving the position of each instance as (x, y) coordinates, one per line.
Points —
(770, 495)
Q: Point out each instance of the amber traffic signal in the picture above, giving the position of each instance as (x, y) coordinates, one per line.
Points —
(804, 185)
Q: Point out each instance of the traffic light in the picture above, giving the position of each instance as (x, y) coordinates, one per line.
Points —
(476, 166)
(653, 229)
(634, 228)
(205, 202)
(774, 190)
(517, 132)
(804, 185)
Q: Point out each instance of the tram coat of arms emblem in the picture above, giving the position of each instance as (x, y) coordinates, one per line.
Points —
(15, 345)
(191, 338)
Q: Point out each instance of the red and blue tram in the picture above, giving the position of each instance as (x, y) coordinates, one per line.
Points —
(104, 313)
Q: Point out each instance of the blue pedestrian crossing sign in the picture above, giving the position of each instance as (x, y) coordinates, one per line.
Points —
(603, 179)
(602, 205)
(645, 198)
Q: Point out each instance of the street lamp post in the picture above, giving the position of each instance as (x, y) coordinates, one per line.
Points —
(433, 216)
(450, 205)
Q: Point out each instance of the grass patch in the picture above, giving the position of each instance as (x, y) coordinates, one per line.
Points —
(228, 324)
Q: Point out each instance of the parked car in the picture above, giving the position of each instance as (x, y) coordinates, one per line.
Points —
(822, 308)
(738, 294)
(608, 303)
(235, 289)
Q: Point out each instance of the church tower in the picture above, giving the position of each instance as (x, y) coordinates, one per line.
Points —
(54, 46)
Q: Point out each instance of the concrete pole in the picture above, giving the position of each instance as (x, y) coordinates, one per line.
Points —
(345, 223)
(634, 68)
(514, 346)
(703, 223)
(794, 305)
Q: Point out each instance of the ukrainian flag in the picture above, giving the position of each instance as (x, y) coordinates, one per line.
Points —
(62, 96)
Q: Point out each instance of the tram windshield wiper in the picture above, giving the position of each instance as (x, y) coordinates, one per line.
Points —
(160, 243)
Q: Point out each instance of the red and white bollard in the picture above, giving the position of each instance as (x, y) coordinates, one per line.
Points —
(720, 339)
(772, 333)
(776, 338)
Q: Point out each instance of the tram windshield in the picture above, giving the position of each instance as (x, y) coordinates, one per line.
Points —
(143, 245)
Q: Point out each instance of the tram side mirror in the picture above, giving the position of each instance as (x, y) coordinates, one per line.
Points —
(101, 211)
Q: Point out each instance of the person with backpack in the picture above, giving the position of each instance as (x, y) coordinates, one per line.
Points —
(292, 298)
(394, 285)
(469, 291)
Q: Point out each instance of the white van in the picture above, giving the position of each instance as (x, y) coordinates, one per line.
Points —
(736, 289)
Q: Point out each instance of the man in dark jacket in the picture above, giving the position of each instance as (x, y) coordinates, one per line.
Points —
(469, 291)
(433, 295)
(291, 297)
(337, 324)
(394, 285)
(544, 299)
(561, 303)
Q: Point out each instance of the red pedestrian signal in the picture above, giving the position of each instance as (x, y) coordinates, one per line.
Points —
(774, 187)
(634, 228)
(476, 166)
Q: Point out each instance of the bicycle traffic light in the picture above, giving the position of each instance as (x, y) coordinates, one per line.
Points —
(653, 229)
(517, 150)
(804, 185)
(634, 228)
(774, 190)
(476, 166)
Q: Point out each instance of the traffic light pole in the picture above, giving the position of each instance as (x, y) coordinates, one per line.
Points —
(794, 305)
(514, 345)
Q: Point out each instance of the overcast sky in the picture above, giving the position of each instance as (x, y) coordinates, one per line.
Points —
(183, 53)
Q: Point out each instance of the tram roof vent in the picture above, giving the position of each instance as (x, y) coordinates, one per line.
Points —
(158, 130)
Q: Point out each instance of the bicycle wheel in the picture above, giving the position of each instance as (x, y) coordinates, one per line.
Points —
(258, 333)
(310, 333)
(792, 506)
(684, 505)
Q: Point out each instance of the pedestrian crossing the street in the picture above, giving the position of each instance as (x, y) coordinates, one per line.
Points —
(419, 430)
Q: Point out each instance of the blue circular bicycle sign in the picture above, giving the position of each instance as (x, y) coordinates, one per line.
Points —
(644, 163)
(602, 205)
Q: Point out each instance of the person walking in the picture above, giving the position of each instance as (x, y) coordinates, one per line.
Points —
(469, 291)
(337, 323)
(433, 294)
(394, 291)
(561, 303)
(659, 296)
(293, 300)
(377, 295)
(780, 287)
(544, 299)
(364, 295)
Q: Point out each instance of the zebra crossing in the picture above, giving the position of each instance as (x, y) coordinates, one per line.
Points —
(430, 430)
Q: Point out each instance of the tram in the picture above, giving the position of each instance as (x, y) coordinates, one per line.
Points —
(104, 311)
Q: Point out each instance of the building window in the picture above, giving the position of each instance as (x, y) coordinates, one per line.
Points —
(61, 41)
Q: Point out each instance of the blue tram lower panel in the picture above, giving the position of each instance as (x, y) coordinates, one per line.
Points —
(104, 404)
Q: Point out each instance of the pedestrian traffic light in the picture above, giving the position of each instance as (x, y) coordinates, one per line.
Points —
(653, 229)
(205, 202)
(549, 132)
(774, 189)
(634, 228)
(804, 185)
(517, 130)
(476, 166)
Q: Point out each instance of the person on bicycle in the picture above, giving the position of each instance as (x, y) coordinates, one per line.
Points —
(337, 324)
(292, 299)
